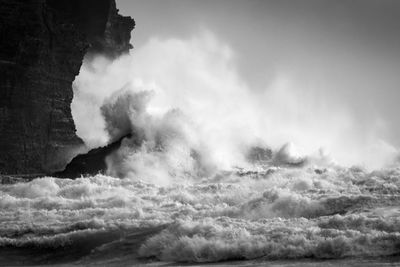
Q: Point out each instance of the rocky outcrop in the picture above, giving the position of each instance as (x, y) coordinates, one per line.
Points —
(42, 45)
(91, 163)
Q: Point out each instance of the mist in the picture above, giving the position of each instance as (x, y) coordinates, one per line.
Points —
(344, 50)
(186, 94)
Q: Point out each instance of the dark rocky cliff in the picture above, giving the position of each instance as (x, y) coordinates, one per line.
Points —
(42, 45)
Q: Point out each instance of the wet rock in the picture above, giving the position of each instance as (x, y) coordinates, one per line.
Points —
(91, 163)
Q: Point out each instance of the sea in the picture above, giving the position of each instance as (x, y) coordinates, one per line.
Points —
(259, 216)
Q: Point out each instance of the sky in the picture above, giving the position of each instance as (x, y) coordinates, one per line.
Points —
(343, 54)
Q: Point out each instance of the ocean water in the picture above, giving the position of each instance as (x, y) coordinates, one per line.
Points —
(279, 216)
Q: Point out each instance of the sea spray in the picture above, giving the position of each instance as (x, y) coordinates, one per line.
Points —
(223, 116)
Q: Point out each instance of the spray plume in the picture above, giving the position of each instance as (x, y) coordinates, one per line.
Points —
(190, 111)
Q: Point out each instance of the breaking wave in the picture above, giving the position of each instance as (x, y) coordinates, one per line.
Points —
(207, 174)
(275, 213)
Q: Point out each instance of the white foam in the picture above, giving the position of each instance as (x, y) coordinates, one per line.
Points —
(284, 213)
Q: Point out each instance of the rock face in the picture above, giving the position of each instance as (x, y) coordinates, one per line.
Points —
(91, 163)
(42, 45)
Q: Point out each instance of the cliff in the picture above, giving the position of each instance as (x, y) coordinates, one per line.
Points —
(42, 45)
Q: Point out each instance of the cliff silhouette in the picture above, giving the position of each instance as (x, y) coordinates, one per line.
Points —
(42, 46)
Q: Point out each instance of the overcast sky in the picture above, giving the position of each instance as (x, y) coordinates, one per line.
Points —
(344, 50)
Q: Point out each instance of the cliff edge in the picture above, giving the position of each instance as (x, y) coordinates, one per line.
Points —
(42, 45)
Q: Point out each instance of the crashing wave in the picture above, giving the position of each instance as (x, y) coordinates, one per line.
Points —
(280, 214)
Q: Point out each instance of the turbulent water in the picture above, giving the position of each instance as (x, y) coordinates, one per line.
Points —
(270, 214)
(173, 194)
